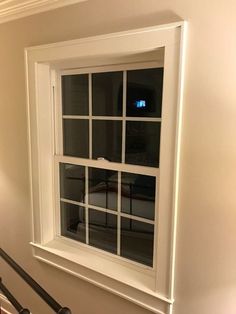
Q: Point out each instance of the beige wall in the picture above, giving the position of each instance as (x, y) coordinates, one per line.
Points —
(206, 250)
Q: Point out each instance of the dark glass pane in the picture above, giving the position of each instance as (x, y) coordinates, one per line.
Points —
(142, 143)
(137, 241)
(73, 222)
(103, 230)
(138, 195)
(72, 182)
(144, 93)
(103, 188)
(107, 140)
(75, 94)
(76, 138)
(107, 93)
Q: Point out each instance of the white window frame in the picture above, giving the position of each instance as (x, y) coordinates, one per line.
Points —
(89, 162)
(152, 288)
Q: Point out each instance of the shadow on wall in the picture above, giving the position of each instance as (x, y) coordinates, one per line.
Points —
(146, 20)
(70, 15)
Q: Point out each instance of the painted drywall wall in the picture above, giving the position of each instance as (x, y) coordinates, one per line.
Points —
(206, 255)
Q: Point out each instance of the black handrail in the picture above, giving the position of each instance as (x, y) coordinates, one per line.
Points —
(12, 299)
(34, 285)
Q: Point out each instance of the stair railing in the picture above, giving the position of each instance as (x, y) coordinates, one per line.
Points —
(57, 308)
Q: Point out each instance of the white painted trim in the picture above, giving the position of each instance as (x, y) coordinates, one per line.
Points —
(6, 306)
(153, 293)
(181, 81)
(15, 9)
(156, 303)
(109, 165)
(124, 99)
(118, 214)
(166, 172)
(110, 118)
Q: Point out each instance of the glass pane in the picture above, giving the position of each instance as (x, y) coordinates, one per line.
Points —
(138, 195)
(144, 93)
(76, 138)
(72, 182)
(107, 91)
(142, 143)
(137, 241)
(103, 230)
(103, 188)
(75, 94)
(107, 140)
(73, 222)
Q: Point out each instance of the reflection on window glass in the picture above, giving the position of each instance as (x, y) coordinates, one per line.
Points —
(98, 190)
(107, 140)
(137, 241)
(107, 91)
(75, 94)
(103, 188)
(144, 92)
(103, 230)
(72, 182)
(73, 222)
(142, 143)
(138, 195)
(76, 138)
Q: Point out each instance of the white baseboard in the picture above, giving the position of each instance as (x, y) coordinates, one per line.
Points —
(6, 306)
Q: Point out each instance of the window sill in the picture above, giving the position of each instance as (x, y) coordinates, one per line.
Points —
(129, 283)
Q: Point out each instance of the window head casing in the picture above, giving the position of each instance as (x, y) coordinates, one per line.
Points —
(85, 231)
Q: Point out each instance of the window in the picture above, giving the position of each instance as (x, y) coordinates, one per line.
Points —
(116, 117)
(104, 143)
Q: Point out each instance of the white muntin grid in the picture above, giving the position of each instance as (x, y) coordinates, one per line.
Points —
(90, 163)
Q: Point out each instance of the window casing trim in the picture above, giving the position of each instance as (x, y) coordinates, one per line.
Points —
(40, 81)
